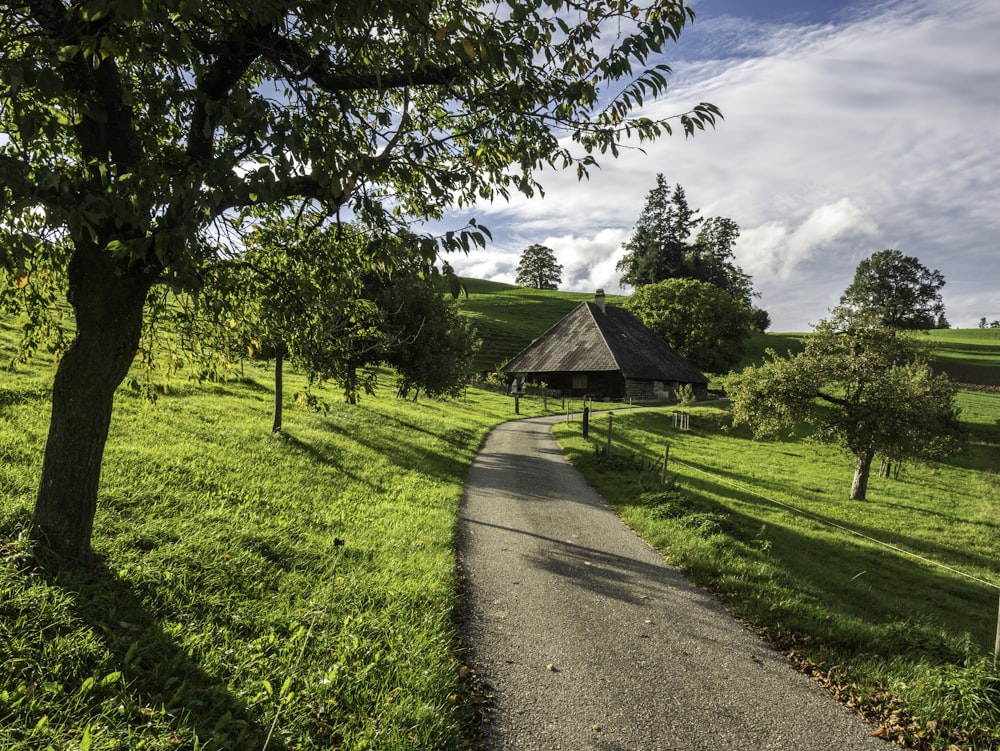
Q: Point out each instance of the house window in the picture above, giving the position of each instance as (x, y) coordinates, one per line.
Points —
(580, 382)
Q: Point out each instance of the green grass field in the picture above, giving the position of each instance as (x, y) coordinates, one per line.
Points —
(765, 524)
(299, 591)
(223, 612)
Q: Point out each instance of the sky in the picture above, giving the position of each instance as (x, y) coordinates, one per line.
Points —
(849, 128)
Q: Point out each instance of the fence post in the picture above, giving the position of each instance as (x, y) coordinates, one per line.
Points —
(996, 647)
(611, 420)
(586, 420)
(666, 459)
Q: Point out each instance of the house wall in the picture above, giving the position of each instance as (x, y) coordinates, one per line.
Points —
(612, 385)
(658, 391)
(600, 385)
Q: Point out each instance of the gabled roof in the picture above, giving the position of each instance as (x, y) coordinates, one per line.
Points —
(589, 339)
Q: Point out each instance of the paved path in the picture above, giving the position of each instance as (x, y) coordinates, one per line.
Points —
(591, 642)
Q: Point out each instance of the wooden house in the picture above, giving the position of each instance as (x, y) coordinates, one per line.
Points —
(604, 352)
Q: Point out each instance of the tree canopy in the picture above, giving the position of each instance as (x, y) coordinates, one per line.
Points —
(898, 290)
(139, 136)
(661, 245)
(699, 320)
(860, 384)
(538, 268)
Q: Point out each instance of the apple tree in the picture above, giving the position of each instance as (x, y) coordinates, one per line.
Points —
(861, 385)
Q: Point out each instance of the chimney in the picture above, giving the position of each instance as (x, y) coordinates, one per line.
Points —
(599, 299)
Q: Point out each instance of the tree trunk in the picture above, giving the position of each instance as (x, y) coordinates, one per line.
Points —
(862, 468)
(108, 303)
(279, 358)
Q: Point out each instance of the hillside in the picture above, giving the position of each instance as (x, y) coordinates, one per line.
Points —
(509, 318)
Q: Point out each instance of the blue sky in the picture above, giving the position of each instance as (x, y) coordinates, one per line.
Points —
(849, 128)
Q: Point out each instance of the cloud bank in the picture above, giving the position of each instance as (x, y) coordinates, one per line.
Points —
(841, 137)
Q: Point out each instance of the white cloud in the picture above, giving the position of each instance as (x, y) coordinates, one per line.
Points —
(839, 139)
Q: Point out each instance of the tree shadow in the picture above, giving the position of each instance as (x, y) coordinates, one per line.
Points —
(161, 678)
(913, 545)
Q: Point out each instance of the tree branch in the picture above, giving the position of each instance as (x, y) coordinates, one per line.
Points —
(320, 69)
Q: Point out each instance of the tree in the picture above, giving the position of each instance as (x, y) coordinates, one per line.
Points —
(761, 320)
(659, 243)
(710, 259)
(862, 385)
(538, 268)
(898, 290)
(138, 134)
(296, 293)
(427, 340)
(661, 248)
(699, 320)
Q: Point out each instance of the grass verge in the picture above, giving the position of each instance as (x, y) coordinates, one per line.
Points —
(249, 590)
(765, 525)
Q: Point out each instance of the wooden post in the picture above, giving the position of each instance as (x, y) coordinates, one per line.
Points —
(996, 647)
(517, 404)
(586, 421)
(666, 460)
(611, 420)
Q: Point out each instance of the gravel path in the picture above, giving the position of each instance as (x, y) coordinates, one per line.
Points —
(589, 641)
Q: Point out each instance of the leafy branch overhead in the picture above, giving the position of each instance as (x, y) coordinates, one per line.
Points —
(141, 136)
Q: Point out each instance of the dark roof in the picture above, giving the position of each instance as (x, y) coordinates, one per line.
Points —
(590, 340)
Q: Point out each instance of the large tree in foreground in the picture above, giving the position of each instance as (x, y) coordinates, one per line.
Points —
(136, 133)
(897, 290)
(862, 385)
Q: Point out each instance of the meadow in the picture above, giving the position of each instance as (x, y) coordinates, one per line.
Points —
(249, 590)
(299, 590)
(892, 603)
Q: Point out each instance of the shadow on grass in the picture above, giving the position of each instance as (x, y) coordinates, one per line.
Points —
(165, 689)
(852, 576)
(924, 547)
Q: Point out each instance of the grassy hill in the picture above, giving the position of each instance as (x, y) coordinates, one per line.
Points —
(509, 318)
(305, 583)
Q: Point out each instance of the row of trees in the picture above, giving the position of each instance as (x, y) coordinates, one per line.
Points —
(302, 291)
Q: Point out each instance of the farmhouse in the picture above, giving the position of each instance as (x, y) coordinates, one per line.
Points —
(602, 351)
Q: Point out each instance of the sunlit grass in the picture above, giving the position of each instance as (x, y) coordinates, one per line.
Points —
(769, 526)
(243, 580)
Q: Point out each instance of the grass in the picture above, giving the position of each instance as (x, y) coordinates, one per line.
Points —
(509, 318)
(249, 591)
(764, 525)
(253, 591)
(965, 346)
